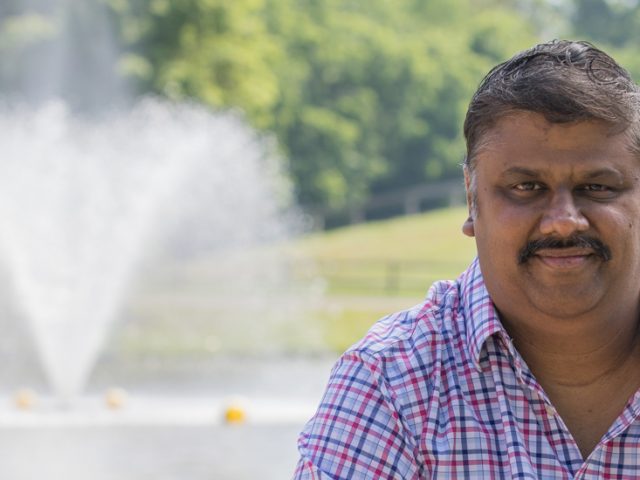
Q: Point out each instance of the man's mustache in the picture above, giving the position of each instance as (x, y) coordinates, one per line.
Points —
(579, 241)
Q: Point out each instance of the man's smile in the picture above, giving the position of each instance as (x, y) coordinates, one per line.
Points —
(565, 258)
(565, 253)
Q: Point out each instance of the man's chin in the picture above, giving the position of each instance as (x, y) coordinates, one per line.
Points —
(564, 299)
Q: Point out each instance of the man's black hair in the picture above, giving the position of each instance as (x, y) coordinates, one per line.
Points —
(563, 80)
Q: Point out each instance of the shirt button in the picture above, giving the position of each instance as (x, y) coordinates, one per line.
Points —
(550, 410)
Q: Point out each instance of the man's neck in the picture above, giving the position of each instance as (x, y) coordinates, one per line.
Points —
(577, 352)
(588, 367)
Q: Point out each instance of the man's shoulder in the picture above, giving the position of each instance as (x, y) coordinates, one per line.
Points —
(414, 331)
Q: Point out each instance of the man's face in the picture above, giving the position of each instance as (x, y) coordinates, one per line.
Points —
(557, 219)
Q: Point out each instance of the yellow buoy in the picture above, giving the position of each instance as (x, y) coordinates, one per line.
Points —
(235, 412)
(116, 398)
(25, 399)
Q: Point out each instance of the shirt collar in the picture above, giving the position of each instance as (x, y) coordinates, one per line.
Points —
(481, 316)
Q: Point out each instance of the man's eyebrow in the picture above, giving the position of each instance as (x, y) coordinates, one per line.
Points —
(528, 172)
(604, 172)
(598, 173)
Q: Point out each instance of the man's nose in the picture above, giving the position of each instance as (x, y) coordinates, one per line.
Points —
(562, 217)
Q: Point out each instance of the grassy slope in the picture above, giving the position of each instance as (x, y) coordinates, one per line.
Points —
(433, 236)
(429, 246)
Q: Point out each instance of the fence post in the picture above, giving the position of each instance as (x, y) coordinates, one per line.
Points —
(392, 277)
(356, 215)
(411, 203)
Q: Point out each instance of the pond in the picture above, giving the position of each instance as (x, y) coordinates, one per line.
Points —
(170, 427)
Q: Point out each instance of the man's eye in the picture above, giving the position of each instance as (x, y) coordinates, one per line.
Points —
(527, 186)
(598, 191)
(594, 187)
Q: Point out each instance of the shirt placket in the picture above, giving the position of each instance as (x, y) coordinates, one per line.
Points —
(555, 430)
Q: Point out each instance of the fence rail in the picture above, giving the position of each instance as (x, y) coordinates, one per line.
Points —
(386, 277)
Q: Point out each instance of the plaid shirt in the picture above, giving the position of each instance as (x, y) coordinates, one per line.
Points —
(440, 392)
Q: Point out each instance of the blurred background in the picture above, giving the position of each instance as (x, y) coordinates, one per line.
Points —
(204, 202)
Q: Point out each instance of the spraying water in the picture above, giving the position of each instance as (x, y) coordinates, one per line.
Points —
(83, 194)
(79, 201)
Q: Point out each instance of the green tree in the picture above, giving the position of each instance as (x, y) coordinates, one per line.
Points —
(215, 51)
(613, 25)
(610, 22)
(381, 90)
(362, 96)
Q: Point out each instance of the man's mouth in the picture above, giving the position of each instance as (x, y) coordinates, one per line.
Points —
(564, 258)
(565, 253)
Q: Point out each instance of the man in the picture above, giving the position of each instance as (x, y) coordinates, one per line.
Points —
(527, 366)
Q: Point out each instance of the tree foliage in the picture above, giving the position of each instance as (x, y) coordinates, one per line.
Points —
(397, 77)
(215, 51)
(611, 24)
(362, 96)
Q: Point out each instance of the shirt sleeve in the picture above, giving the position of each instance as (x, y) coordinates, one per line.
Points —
(356, 432)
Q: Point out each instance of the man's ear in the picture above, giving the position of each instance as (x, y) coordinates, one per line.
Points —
(468, 226)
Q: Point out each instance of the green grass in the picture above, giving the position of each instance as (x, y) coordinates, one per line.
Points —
(398, 257)
(380, 267)
(435, 235)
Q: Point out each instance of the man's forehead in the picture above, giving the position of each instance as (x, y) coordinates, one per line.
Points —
(526, 120)
(527, 126)
(587, 148)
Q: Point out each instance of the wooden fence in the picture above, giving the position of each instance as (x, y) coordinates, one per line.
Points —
(384, 277)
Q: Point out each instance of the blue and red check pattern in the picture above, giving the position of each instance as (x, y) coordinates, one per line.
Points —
(440, 392)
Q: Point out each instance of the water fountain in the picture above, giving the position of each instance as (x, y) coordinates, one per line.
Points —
(79, 201)
(93, 185)
(88, 188)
